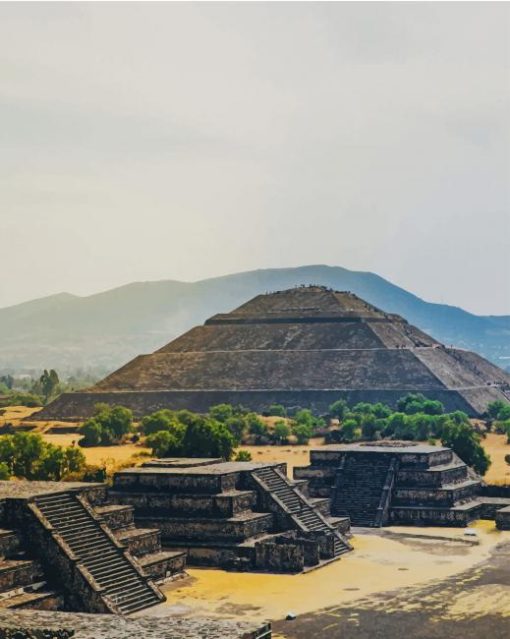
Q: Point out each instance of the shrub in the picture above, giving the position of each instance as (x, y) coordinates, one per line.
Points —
(5, 473)
(221, 412)
(338, 409)
(28, 456)
(350, 430)
(108, 426)
(465, 442)
(302, 432)
(277, 410)
(237, 427)
(243, 456)
(160, 420)
(413, 403)
(281, 432)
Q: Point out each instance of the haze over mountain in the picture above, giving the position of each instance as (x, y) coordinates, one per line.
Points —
(104, 330)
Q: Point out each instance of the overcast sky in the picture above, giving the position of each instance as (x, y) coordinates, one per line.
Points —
(184, 141)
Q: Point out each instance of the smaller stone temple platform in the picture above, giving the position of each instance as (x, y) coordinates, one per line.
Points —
(58, 552)
(235, 515)
(391, 482)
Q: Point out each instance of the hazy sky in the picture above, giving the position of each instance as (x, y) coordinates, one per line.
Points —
(183, 141)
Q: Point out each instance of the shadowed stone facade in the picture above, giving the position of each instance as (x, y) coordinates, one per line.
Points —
(59, 552)
(390, 482)
(304, 347)
(235, 515)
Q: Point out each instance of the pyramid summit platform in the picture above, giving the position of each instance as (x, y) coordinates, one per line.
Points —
(302, 347)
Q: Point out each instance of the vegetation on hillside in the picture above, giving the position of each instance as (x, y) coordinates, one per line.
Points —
(41, 389)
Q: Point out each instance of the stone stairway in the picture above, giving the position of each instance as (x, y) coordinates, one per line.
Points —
(142, 543)
(360, 489)
(121, 583)
(308, 518)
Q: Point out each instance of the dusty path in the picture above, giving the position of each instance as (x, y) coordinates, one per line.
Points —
(471, 605)
(382, 562)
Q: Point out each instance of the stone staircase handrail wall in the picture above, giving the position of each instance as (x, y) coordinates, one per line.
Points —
(280, 505)
(384, 505)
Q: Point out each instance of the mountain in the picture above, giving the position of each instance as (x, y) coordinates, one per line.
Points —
(104, 330)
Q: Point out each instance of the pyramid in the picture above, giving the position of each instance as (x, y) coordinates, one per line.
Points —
(302, 347)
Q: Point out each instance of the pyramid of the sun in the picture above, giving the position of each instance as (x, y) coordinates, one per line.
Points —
(303, 347)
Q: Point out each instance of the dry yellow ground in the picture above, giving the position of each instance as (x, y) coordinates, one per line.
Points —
(109, 456)
(497, 448)
(378, 564)
(291, 455)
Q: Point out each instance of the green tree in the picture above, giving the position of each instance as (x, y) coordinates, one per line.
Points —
(465, 442)
(413, 403)
(208, 438)
(277, 410)
(108, 426)
(160, 420)
(281, 432)
(256, 426)
(369, 427)
(28, 451)
(92, 432)
(49, 382)
(338, 409)
(350, 430)
(237, 426)
(7, 381)
(302, 432)
(221, 412)
(164, 444)
(28, 456)
(56, 462)
(494, 409)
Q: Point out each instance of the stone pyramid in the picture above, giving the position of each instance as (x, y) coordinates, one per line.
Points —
(302, 347)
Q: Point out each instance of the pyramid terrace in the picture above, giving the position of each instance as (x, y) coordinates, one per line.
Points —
(302, 347)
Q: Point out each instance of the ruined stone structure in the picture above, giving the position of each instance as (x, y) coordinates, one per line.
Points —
(23, 624)
(304, 347)
(58, 552)
(236, 515)
(390, 482)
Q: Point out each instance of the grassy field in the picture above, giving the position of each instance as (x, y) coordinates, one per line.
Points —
(495, 445)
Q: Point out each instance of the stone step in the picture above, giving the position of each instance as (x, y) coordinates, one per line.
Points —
(116, 516)
(97, 551)
(16, 573)
(9, 542)
(164, 564)
(37, 600)
(140, 541)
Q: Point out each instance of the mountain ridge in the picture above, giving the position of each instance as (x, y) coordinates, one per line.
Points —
(105, 329)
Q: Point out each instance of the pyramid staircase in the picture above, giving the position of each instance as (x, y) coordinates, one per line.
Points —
(363, 489)
(305, 517)
(142, 543)
(121, 585)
